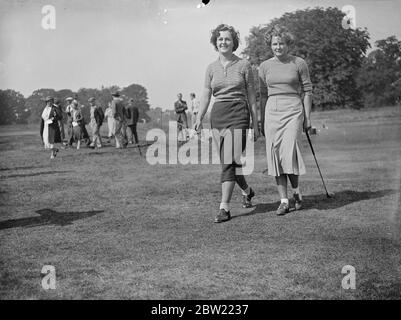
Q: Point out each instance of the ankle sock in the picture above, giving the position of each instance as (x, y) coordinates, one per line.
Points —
(284, 201)
(246, 191)
(296, 191)
(225, 206)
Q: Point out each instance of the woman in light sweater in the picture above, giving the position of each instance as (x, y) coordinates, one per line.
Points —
(286, 96)
(108, 114)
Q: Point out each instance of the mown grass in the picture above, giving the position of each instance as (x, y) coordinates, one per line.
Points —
(115, 227)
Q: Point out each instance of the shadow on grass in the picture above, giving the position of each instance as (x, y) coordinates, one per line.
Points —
(259, 208)
(21, 168)
(22, 175)
(321, 202)
(342, 198)
(48, 217)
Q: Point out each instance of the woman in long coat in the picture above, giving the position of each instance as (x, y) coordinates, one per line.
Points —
(51, 130)
(286, 95)
(77, 124)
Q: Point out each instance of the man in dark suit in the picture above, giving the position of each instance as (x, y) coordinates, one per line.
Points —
(182, 122)
(119, 114)
(57, 103)
(132, 119)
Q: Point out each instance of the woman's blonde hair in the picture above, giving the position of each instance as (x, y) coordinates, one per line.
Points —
(281, 32)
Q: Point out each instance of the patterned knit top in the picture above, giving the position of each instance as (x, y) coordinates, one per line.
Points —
(230, 82)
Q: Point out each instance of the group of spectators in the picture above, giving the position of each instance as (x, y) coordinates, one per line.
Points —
(121, 121)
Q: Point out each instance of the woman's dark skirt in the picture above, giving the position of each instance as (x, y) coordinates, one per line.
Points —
(77, 133)
(230, 119)
(54, 133)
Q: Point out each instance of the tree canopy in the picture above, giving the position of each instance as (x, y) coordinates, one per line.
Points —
(12, 107)
(334, 54)
(15, 108)
(380, 75)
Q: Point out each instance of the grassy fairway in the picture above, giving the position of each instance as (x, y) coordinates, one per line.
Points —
(115, 227)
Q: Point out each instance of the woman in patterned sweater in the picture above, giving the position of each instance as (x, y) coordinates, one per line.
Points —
(230, 80)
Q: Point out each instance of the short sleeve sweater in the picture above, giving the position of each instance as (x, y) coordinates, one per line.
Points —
(290, 77)
(231, 82)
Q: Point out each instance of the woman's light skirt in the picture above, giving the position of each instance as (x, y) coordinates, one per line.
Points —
(284, 118)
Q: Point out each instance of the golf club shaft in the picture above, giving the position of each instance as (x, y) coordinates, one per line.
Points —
(314, 156)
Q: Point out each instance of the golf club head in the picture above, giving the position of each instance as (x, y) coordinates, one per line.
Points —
(330, 195)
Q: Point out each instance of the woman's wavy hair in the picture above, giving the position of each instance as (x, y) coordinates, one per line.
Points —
(281, 32)
(215, 33)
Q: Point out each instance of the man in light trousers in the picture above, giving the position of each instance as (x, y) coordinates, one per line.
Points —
(118, 111)
(96, 120)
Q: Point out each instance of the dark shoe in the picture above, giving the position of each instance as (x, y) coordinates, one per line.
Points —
(298, 202)
(246, 200)
(222, 216)
(283, 209)
(54, 153)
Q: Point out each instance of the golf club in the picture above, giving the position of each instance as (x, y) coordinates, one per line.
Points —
(314, 156)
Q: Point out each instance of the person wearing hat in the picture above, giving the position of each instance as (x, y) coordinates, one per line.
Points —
(51, 130)
(77, 120)
(97, 116)
(132, 119)
(118, 111)
(57, 104)
(68, 111)
(108, 114)
(82, 123)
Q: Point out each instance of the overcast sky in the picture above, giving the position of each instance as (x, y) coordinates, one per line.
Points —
(160, 44)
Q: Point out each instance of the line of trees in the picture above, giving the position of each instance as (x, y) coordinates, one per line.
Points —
(342, 75)
(15, 108)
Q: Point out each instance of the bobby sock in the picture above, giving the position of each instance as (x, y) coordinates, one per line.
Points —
(296, 191)
(246, 191)
(225, 206)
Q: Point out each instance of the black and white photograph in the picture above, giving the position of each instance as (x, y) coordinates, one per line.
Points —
(185, 150)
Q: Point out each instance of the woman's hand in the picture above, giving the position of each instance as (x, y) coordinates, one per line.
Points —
(198, 125)
(307, 125)
(256, 133)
